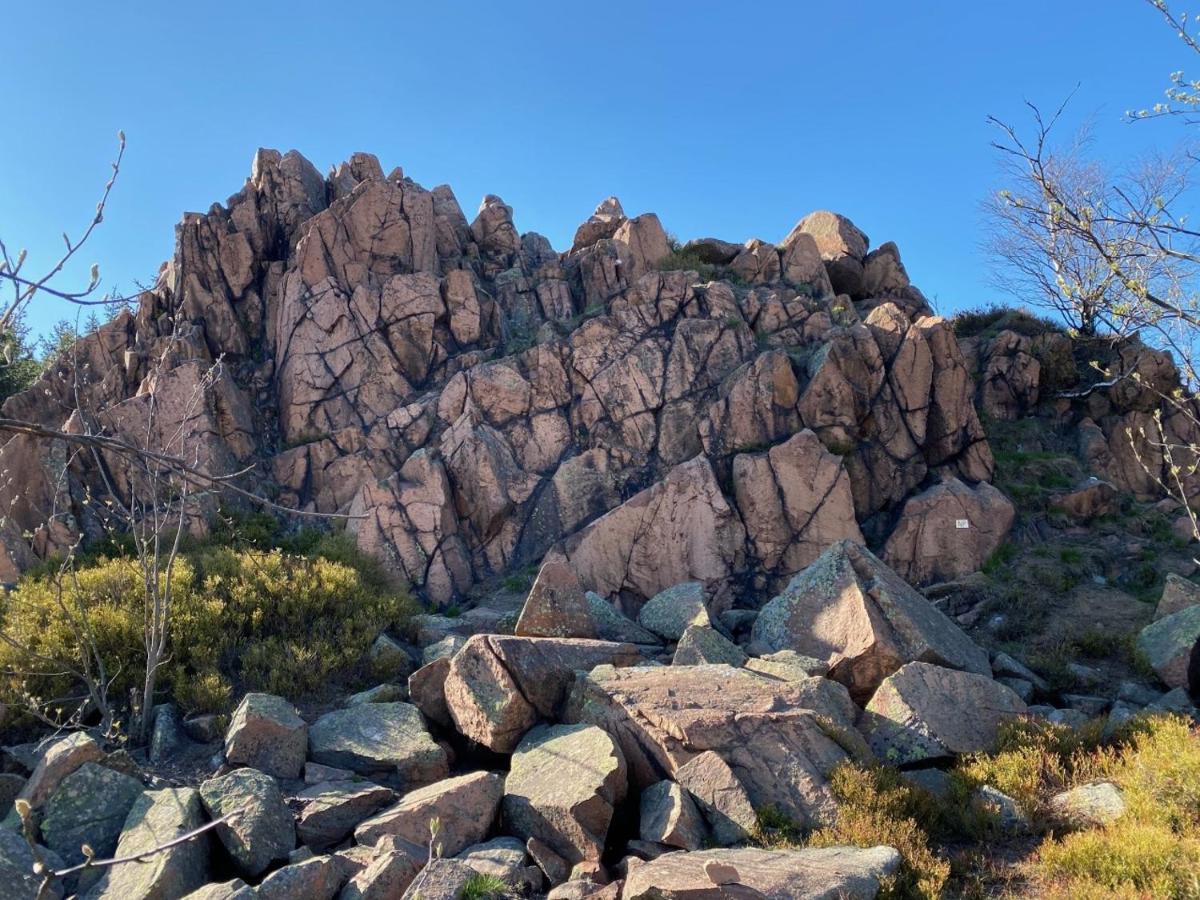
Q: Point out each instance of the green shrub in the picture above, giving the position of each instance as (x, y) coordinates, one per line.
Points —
(876, 806)
(241, 620)
(989, 321)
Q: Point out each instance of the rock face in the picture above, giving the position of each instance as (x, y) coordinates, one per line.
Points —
(562, 788)
(476, 400)
(926, 712)
(333, 809)
(853, 613)
(16, 867)
(775, 736)
(834, 872)
(378, 737)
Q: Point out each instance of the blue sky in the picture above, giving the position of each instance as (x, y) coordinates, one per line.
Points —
(726, 120)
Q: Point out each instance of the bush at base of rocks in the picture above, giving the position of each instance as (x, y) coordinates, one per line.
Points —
(250, 619)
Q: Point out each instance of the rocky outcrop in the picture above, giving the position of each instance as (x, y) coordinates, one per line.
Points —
(475, 400)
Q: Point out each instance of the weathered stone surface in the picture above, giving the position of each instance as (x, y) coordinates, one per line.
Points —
(668, 815)
(16, 867)
(926, 712)
(787, 665)
(464, 807)
(10, 786)
(562, 788)
(556, 606)
(155, 819)
(701, 645)
(381, 693)
(376, 737)
(388, 874)
(502, 857)
(267, 733)
(224, 890)
(841, 245)
(60, 760)
(1178, 594)
(831, 873)
(680, 529)
(388, 658)
(611, 625)
(427, 691)
(168, 740)
(670, 612)
(795, 500)
(775, 735)
(318, 878)
(88, 807)
(1088, 805)
(852, 612)
(1092, 499)
(262, 831)
(720, 797)
(333, 809)
(1167, 645)
(498, 687)
(929, 543)
(442, 879)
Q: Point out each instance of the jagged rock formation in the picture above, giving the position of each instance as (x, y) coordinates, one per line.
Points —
(476, 399)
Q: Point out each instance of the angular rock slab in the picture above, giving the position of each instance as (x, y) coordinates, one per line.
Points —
(556, 606)
(315, 878)
(498, 687)
(464, 806)
(262, 831)
(563, 786)
(926, 712)
(63, 758)
(830, 873)
(89, 807)
(720, 797)
(701, 645)
(670, 612)
(1178, 594)
(680, 529)
(849, 610)
(668, 815)
(376, 737)
(780, 738)
(1167, 645)
(333, 809)
(157, 818)
(267, 733)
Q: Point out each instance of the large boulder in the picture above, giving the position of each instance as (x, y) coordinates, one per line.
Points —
(157, 818)
(498, 687)
(89, 807)
(841, 245)
(563, 786)
(1178, 594)
(1167, 645)
(925, 712)
(333, 809)
(464, 807)
(948, 531)
(315, 878)
(853, 613)
(829, 873)
(17, 872)
(780, 738)
(267, 733)
(60, 760)
(672, 611)
(378, 737)
(261, 831)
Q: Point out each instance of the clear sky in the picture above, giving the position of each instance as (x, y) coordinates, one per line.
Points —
(726, 119)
